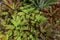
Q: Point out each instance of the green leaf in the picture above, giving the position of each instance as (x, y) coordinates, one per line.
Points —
(4, 13)
(15, 21)
(21, 13)
(18, 38)
(41, 19)
(38, 17)
(6, 37)
(16, 33)
(25, 11)
(9, 26)
(9, 33)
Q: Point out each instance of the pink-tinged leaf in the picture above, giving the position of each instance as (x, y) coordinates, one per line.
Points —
(0, 38)
(10, 1)
(58, 0)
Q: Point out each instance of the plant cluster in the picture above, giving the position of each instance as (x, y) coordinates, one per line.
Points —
(29, 20)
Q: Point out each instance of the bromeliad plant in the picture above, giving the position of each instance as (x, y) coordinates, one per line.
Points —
(43, 4)
(11, 4)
